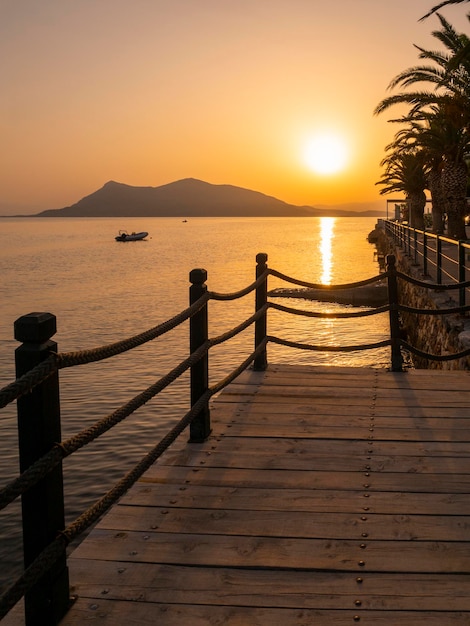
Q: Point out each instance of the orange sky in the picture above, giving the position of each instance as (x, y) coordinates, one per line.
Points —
(145, 92)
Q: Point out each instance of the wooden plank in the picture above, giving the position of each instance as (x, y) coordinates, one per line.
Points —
(139, 614)
(277, 552)
(320, 410)
(461, 400)
(338, 432)
(271, 477)
(262, 460)
(290, 499)
(277, 523)
(256, 415)
(422, 380)
(333, 447)
(243, 587)
(319, 388)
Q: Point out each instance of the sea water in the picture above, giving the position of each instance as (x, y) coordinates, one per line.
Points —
(102, 291)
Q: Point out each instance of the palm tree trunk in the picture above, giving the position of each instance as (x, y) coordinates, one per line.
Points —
(454, 187)
(438, 202)
(417, 202)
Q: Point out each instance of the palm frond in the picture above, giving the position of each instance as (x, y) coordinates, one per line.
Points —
(439, 6)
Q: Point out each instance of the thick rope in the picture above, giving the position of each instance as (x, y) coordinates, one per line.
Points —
(69, 359)
(214, 295)
(54, 550)
(241, 368)
(359, 283)
(436, 286)
(285, 309)
(46, 463)
(50, 555)
(303, 346)
(435, 357)
(241, 327)
(451, 311)
(28, 381)
(41, 372)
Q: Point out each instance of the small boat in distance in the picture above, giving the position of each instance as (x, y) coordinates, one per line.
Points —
(125, 236)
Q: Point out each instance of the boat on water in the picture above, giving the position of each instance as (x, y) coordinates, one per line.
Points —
(125, 236)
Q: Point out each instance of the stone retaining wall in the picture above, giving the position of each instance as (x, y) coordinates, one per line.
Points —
(435, 334)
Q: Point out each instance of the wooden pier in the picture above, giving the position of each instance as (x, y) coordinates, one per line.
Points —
(324, 495)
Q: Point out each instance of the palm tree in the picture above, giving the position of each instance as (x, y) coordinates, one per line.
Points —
(443, 139)
(405, 171)
(449, 104)
(425, 135)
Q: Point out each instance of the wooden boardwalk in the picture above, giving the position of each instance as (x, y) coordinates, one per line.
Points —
(324, 496)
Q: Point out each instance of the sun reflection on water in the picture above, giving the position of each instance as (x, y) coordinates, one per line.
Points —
(327, 225)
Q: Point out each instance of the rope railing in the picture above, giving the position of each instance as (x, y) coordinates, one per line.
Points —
(436, 357)
(24, 384)
(46, 463)
(450, 311)
(41, 372)
(52, 553)
(435, 286)
(326, 348)
(38, 362)
(214, 295)
(70, 359)
(303, 283)
(329, 315)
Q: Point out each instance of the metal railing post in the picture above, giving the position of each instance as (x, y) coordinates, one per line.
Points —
(415, 247)
(261, 361)
(42, 505)
(425, 253)
(200, 427)
(397, 361)
(438, 260)
(462, 273)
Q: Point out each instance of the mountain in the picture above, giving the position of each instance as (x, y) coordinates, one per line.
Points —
(185, 198)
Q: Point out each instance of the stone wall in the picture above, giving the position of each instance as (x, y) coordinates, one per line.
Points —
(435, 334)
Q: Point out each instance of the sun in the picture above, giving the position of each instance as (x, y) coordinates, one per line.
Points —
(326, 153)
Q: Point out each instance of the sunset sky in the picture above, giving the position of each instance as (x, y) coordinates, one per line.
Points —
(146, 92)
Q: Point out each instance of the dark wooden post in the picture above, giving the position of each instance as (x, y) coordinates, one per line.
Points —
(261, 361)
(43, 505)
(397, 360)
(200, 427)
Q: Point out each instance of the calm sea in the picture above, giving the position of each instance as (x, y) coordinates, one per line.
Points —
(102, 291)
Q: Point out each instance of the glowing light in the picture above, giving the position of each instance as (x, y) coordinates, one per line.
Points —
(326, 239)
(326, 154)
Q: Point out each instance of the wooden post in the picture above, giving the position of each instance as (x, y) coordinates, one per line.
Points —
(397, 360)
(200, 427)
(43, 505)
(261, 361)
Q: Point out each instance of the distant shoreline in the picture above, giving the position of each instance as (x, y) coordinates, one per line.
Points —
(369, 214)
